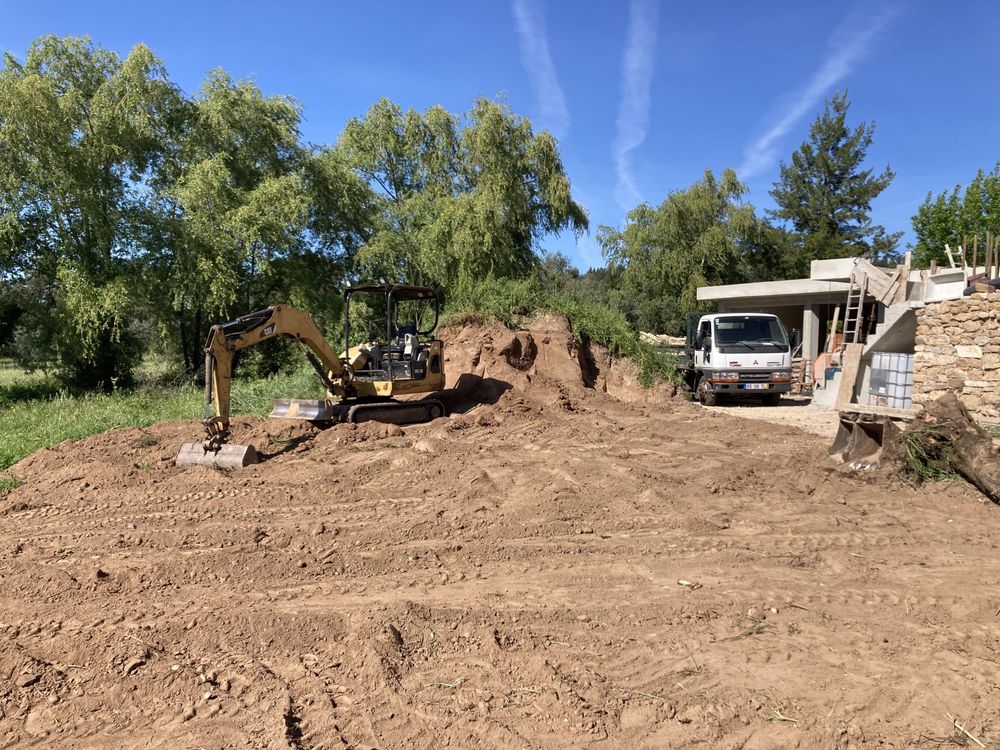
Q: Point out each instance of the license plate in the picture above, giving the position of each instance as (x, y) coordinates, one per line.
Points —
(755, 386)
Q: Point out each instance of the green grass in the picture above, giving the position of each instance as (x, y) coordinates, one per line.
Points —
(8, 482)
(17, 385)
(29, 424)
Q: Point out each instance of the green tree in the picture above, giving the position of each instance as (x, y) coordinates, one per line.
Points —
(825, 196)
(696, 237)
(81, 131)
(459, 198)
(958, 218)
(250, 216)
(556, 273)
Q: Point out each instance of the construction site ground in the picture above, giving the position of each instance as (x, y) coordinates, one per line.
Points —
(567, 561)
(795, 411)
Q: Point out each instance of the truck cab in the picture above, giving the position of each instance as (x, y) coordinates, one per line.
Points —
(739, 355)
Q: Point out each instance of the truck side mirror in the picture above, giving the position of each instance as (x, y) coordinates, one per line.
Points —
(796, 338)
(698, 341)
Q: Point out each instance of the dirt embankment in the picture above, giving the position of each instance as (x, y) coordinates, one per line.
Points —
(567, 561)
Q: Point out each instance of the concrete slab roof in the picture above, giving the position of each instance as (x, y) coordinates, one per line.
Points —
(794, 291)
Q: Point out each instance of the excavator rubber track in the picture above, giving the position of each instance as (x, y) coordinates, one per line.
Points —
(397, 412)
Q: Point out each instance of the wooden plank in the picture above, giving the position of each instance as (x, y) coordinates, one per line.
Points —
(881, 411)
(878, 279)
(832, 336)
(849, 375)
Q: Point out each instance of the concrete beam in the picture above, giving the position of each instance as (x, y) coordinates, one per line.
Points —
(795, 290)
(832, 269)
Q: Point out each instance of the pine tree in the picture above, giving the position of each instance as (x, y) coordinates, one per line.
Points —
(825, 196)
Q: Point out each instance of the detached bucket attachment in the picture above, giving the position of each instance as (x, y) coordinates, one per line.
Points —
(227, 457)
(316, 410)
(862, 443)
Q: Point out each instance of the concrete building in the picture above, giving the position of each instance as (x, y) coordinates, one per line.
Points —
(888, 319)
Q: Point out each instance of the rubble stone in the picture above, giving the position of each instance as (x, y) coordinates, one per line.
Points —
(958, 349)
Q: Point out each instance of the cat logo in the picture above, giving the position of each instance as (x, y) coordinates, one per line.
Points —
(268, 331)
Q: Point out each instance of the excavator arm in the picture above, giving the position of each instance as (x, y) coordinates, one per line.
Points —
(227, 339)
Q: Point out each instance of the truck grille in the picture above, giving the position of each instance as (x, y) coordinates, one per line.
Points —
(753, 377)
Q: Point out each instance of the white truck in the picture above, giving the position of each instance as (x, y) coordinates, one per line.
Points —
(741, 355)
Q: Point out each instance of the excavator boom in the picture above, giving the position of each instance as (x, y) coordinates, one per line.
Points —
(223, 342)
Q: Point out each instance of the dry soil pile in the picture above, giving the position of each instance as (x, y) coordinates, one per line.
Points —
(567, 561)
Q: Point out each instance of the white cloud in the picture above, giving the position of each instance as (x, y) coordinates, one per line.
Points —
(848, 45)
(538, 63)
(633, 109)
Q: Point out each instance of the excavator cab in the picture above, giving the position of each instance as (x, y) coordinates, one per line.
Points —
(362, 382)
(407, 354)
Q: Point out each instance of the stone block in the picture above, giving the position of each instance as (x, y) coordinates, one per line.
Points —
(969, 351)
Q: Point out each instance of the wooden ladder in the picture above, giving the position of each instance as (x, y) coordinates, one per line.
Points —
(855, 305)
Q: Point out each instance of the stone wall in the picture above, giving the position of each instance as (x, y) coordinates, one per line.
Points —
(958, 349)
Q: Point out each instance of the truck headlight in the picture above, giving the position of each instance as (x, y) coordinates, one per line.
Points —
(726, 375)
(781, 374)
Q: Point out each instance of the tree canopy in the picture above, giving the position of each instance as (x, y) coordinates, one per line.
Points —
(134, 215)
(696, 237)
(458, 198)
(81, 131)
(958, 217)
(825, 195)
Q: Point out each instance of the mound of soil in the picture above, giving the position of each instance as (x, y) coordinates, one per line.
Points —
(554, 565)
(543, 364)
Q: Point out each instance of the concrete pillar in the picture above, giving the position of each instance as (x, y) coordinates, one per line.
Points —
(810, 334)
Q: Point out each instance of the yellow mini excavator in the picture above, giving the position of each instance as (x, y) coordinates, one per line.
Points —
(361, 383)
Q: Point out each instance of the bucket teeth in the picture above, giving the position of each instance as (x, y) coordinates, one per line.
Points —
(227, 457)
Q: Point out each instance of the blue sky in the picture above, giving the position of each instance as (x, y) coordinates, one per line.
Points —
(643, 95)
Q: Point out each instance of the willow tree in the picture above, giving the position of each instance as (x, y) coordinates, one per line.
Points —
(81, 131)
(460, 198)
(251, 216)
(696, 237)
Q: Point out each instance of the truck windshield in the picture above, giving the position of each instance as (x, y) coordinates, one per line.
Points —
(750, 333)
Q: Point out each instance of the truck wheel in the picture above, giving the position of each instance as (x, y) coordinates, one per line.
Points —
(705, 394)
(772, 399)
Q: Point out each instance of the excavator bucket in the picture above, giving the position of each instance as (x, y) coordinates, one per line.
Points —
(300, 408)
(845, 432)
(227, 457)
(862, 442)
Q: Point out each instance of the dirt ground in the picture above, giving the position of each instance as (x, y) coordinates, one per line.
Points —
(567, 561)
(792, 410)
